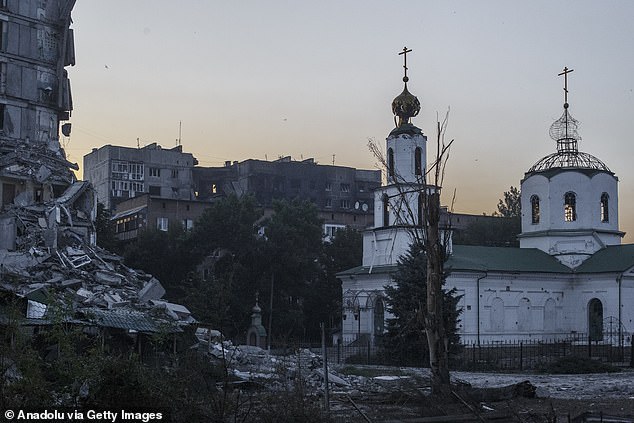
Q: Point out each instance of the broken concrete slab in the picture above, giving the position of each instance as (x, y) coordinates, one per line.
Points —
(108, 278)
(152, 290)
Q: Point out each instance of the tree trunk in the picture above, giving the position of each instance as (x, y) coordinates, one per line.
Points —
(434, 322)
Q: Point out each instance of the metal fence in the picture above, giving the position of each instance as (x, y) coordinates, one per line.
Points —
(490, 356)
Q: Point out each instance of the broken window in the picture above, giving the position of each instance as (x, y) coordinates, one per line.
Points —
(188, 224)
(345, 204)
(155, 171)
(418, 168)
(162, 223)
(534, 209)
(174, 173)
(390, 163)
(570, 207)
(154, 190)
(345, 187)
(605, 216)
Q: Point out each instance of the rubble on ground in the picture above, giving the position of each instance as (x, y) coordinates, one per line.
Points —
(48, 258)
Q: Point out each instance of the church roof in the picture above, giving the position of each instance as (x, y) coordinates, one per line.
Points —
(503, 259)
(613, 258)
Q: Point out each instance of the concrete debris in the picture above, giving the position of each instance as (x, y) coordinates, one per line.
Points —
(48, 258)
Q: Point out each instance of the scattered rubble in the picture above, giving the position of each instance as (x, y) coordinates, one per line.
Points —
(48, 258)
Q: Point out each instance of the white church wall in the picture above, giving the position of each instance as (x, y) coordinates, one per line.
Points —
(511, 306)
(384, 246)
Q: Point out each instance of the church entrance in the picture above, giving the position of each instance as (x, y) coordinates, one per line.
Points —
(595, 320)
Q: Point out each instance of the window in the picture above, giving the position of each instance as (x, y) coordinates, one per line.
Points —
(345, 204)
(188, 224)
(174, 173)
(534, 209)
(605, 216)
(136, 171)
(345, 187)
(328, 186)
(331, 230)
(154, 190)
(386, 210)
(570, 207)
(3, 78)
(390, 163)
(155, 172)
(418, 168)
(328, 202)
(162, 223)
(3, 32)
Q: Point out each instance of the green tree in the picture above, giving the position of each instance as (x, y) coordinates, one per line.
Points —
(343, 252)
(293, 247)
(511, 205)
(404, 341)
(105, 229)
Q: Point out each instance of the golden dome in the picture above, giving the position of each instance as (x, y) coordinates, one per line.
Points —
(405, 106)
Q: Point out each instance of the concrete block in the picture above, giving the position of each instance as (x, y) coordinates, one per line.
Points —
(152, 290)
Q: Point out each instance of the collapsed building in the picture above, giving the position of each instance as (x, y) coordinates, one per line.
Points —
(51, 269)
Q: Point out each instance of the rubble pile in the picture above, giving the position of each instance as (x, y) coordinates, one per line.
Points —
(46, 257)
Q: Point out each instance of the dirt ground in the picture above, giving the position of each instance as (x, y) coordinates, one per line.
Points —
(560, 398)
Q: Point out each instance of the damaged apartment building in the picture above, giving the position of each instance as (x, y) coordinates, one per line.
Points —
(48, 254)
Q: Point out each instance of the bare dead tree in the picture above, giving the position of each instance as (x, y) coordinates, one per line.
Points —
(417, 208)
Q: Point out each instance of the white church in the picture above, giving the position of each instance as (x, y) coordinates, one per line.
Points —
(570, 276)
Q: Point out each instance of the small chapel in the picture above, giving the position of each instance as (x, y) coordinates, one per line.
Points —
(570, 275)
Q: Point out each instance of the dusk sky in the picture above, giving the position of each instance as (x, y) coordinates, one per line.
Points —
(263, 79)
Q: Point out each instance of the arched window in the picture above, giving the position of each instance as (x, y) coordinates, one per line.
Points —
(550, 315)
(535, 209)
(605, 214)
(386, 210)
(418, 168)
(570, 207)
(524, 315)
(595, 320)
(390, 163)
(497, 315)
(379, 317)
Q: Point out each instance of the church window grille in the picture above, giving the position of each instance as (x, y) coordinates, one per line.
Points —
(418, 167)
(595, 320)
(390, 163)
(605, 216)
(570, 207)
(386, 210)
(534, 209)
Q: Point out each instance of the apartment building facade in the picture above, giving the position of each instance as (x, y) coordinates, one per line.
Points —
(343, 195)
(36, 44)
(119, 173)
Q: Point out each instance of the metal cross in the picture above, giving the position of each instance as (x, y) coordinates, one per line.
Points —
(565, 74)
(404, 53)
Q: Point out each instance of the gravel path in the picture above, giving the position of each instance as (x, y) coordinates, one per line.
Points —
(586, 386)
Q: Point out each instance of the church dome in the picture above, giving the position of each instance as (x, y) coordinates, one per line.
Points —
(405, 105)
(565, 132)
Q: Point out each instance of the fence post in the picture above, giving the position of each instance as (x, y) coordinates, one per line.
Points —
(368, 361)
(589, 347)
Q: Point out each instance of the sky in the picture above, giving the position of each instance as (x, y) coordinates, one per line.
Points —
(264, 79)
